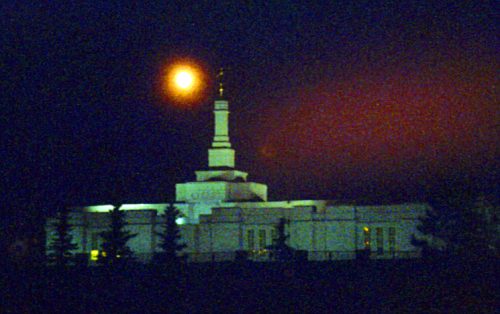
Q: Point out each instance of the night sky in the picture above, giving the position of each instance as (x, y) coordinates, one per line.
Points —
(368, 100)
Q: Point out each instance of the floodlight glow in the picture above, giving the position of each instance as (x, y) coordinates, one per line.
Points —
(180, 221)
(125, 207)
(99, 208)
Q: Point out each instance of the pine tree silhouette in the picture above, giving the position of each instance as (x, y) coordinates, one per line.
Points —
(169, 239)
(114, 246)
(62, 244)
(457, 225)
(280, 249)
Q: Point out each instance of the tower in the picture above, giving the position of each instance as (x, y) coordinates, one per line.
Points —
(221, 155)
(220, 182)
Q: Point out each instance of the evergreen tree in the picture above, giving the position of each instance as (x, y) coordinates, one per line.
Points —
(457, 226)
(281, 238)
(280, 249)
(169, 239)
(62, 243)
(114, 246)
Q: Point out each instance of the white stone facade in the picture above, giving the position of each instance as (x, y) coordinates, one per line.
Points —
(223, 214)
(327, 231)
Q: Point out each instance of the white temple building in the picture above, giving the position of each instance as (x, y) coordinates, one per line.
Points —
(225, 214)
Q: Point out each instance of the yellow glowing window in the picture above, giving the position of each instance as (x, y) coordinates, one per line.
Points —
(94, 255)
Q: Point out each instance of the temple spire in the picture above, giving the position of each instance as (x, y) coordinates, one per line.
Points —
(221, 155)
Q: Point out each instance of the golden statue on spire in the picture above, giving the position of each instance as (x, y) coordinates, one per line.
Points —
(221, 85)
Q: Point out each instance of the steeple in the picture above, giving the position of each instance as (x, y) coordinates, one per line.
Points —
(220, 155)
(221, 182)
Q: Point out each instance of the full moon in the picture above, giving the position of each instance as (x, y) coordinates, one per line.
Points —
(184, 79)
(184, 83)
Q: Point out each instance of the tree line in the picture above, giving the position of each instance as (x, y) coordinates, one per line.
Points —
(114, 250)
(457, 225)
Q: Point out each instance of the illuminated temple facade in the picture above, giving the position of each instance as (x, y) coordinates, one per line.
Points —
(224, 216)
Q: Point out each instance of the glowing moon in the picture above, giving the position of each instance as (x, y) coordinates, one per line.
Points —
(184, 79)
(184, 83)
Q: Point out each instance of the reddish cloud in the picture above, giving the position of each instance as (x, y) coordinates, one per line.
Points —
(392, 122)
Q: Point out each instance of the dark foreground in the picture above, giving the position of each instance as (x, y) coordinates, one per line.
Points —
(342, 287)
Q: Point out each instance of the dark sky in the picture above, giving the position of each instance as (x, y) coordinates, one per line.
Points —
(374, 100)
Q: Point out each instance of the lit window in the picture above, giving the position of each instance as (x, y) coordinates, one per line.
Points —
(94, 255)
(380, 241)
(367, 238)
